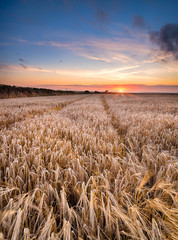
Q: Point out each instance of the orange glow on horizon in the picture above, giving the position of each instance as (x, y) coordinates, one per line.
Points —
(121, 90)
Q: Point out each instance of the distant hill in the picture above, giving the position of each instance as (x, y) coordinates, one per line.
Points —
(7, 91)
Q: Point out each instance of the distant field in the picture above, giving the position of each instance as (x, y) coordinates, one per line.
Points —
(89, 167)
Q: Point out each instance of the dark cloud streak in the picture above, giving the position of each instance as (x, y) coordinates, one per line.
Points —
(22, 65)
(21, 60)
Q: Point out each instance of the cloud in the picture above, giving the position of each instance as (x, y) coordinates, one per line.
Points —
(54, 44)
(23, 68)
(23, 65)
(103, 73)
(104, 50)
(119, 75)
(157, 56)
(22, 40)
(167, 39)
(21, 60)
(102, 16)
(101, 59)
(121, 49)
(3, 66)
(139, 22)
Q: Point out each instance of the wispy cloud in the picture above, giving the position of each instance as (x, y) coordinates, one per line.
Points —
(124, 74)
(101, 59)
(22, 68)
(88, 73)
(158, 56)
(3, 67)
(109, 50)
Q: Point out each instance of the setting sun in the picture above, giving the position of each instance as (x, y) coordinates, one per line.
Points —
(120, 90)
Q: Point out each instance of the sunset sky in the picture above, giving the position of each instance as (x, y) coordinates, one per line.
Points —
(127, 45)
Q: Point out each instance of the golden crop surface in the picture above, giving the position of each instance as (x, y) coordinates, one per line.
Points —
(89, 167)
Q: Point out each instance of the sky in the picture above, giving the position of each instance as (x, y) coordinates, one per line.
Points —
(115, 45)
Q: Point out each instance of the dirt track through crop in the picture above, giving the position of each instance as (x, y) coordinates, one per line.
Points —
(114, 122)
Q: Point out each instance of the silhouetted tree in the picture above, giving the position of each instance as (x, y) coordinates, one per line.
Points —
(86, 92)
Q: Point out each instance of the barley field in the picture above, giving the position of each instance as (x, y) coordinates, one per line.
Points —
(89, 167)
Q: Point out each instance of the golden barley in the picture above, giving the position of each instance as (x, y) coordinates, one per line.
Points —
(101, 167)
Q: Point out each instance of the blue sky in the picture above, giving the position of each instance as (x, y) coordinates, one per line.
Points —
(89, 43)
